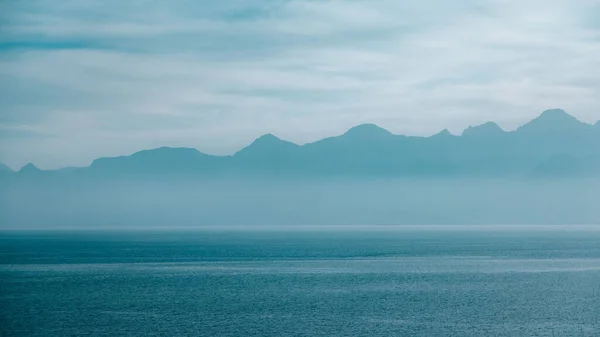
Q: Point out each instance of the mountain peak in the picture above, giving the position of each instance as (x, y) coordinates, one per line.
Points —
(443, 133)
(368, 130)
(486, 129)
(268, 138)
(167, 150)
(162, 159)
(555, 113)
(29, 168)
(553, 119)
(266, 144)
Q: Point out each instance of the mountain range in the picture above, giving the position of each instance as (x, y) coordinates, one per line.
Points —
(553, 144)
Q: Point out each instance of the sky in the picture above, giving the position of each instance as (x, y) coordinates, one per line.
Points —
(82, 79)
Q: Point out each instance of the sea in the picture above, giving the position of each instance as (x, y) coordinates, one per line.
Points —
(302, 281)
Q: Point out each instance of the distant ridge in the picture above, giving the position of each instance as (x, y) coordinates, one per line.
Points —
(367, 132)
(553, 120)
(266, 145)
(369, 150)
(159, 160)
(484, 130)
(443, 133)
(29, 168)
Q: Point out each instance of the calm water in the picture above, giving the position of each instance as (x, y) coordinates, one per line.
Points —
(432, 281)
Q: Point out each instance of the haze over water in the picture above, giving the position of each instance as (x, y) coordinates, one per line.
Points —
(334, 281)
(300, 167)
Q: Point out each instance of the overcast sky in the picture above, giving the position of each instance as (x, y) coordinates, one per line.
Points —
(88, 78)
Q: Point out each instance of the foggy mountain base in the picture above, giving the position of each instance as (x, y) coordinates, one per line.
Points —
(172, 202)
(545, 172)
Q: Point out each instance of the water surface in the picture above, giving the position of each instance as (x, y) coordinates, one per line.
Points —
(332, 281)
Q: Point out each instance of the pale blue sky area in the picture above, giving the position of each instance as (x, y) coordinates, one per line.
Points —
(80, 79)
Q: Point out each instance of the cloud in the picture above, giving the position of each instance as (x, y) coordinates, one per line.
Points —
(83, 79)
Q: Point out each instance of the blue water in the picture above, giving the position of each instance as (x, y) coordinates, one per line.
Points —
(335, 281)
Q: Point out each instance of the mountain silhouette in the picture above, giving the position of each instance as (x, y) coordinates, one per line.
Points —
(489, 129)
(30, 169)
(363, 149)
(443, 133)
(266, 146)
(369, 150)
(552, 121)
(367, 132)
(161, 160)
(267, 154)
